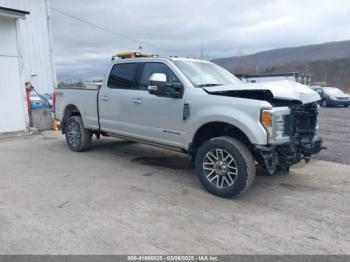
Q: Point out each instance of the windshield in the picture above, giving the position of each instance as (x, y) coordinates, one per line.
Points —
(332, 91)
(204, 74)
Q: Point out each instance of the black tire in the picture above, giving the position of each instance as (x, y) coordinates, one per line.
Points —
(324, 103)
(83, 138)
(346, 105)
(243, 160)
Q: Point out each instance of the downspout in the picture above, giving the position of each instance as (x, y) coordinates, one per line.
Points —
(21, 77)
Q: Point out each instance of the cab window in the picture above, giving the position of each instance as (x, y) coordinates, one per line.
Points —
(122, 76)
(151, 68)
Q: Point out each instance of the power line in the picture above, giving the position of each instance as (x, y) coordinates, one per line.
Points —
(111, 32)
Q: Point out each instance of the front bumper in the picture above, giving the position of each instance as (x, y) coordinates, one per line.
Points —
(339, 102)
(280, 158)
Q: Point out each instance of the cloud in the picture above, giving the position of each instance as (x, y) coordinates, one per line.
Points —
(225, 28)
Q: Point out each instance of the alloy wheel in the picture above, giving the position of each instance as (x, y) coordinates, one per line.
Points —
(73, 134)
(220, 168)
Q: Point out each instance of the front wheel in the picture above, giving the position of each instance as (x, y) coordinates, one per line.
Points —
(324, 103)
(78, 138)
(225, 166)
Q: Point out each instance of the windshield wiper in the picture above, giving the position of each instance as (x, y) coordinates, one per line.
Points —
(208, 85)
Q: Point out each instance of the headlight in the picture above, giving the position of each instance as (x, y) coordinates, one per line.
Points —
(273, 121)
(279, 126)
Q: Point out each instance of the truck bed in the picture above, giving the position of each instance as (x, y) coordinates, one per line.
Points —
(84, 99)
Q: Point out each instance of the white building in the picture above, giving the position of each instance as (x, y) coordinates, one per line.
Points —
(299, 77)
(25, 56)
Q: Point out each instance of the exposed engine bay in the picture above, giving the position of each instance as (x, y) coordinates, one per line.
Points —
(300, 126)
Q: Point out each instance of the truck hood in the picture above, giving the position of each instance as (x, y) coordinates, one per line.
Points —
(286, 90)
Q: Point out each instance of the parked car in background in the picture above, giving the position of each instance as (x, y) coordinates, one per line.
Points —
(332, 96)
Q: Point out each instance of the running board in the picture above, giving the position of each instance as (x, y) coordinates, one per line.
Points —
(128, 138)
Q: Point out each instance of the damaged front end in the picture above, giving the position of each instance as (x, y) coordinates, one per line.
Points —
(290, 122)
(296, 127)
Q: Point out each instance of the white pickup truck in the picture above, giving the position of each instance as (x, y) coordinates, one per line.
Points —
(225, 126)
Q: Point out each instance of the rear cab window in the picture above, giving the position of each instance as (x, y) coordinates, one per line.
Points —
(122, 76)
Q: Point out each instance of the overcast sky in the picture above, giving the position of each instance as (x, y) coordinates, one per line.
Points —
(225, 27)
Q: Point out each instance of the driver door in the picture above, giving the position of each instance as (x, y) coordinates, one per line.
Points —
(159, 119)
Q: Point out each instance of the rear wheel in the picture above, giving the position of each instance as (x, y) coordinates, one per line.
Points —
(225, 166)
(78, 138)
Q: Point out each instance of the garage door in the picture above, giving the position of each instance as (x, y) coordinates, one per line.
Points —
(12, 107)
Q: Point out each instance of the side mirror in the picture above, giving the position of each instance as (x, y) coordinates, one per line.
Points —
(158, 86)
(157, 81)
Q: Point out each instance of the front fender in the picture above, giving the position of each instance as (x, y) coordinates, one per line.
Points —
(249, 124)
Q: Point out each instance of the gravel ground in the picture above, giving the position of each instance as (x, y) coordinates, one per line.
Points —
(128, 198)
(335, 131)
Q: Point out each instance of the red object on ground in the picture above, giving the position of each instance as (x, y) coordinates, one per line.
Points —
(28, 91)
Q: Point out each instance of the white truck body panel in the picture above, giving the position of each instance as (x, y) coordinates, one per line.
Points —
(141, 115)
(286, 89)
(83, 99)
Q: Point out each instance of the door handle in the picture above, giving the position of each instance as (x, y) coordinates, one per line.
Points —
(104, 98)
(137, 101)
